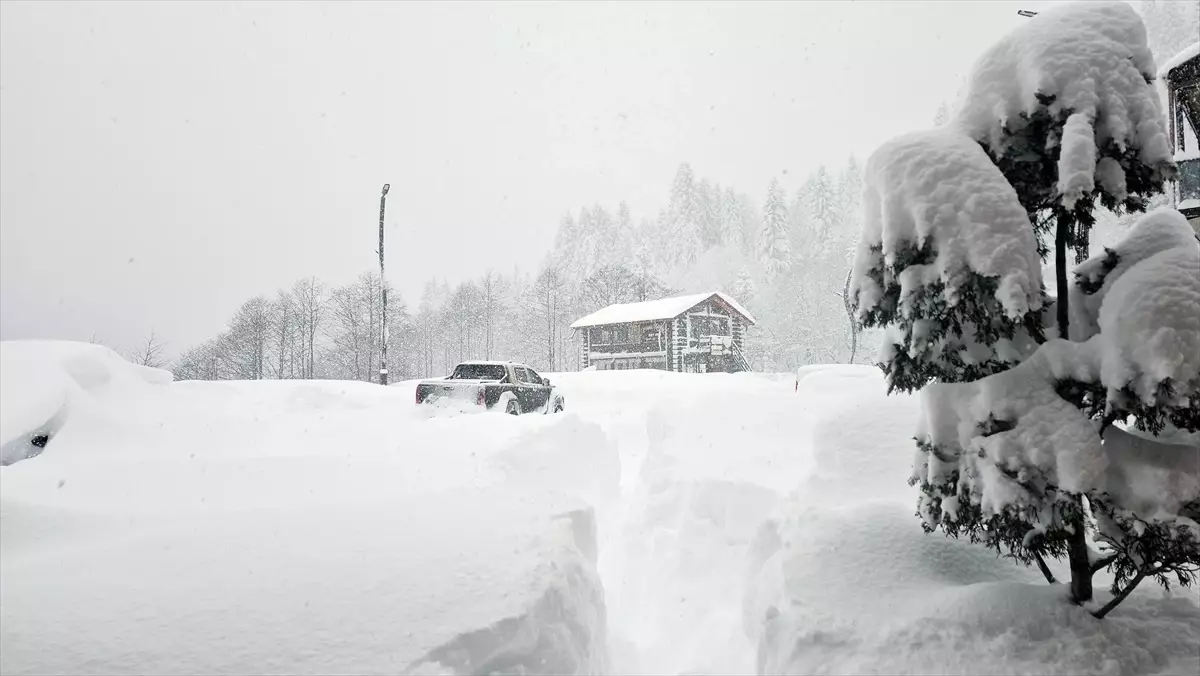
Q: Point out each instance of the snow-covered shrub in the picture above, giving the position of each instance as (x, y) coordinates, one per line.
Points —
(1020, 445)
(947, 262)
(1065, 107)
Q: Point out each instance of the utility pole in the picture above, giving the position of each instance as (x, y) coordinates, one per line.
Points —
(383, 371)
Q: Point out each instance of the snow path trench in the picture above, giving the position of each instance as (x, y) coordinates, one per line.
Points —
(704, 462)
(295, 479)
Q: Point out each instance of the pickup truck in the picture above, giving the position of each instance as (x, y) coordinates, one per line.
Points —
(500, 385)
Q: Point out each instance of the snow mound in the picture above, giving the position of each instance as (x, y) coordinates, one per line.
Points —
(1092, 57)
(369, 588)
(570, 454)
(842, 579)
(292, 527)
(939, 189)
(564, 632)
(852, 460)
(43, 382)
(863, 590)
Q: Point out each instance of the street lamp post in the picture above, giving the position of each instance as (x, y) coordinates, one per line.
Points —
(383, 370)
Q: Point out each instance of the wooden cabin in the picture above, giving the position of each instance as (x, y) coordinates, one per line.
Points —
(699, 333)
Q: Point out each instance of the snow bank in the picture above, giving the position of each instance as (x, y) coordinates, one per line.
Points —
(44, 382)
(1092, 57)
(842, 579)
(863, 590)
(296, 527)
(704, 459)
(368, 588)
(571, 455)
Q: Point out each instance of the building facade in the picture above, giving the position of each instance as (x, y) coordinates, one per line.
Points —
(698, 333)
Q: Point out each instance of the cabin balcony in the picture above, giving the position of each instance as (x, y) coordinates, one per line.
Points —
(714, 344)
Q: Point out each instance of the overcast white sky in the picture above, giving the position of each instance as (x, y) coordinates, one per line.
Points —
(160, 163)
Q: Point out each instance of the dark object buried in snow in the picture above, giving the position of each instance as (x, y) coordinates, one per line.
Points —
(504, 386)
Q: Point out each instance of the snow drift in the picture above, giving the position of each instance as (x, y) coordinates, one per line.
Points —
(842, 579)
(290, 527)
(46, 382)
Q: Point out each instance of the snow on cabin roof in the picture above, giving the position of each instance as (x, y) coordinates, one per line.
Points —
(664, 308)
(1188, 53)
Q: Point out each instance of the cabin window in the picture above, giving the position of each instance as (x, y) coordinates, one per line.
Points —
(709, 326)
(635, 333)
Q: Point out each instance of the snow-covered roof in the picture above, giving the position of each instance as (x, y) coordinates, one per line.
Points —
(489, 362)
(1189, 52)
(664, 308)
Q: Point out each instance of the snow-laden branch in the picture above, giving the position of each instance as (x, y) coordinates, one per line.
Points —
(1093, 61)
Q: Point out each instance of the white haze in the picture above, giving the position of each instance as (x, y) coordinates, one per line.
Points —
(162, 162)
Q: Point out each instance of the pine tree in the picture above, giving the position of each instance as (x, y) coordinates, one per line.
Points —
(626, 239)
(732, 221)
(774, 246)
(986, 466)
(680, 224)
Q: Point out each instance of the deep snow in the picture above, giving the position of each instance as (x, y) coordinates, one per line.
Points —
(293, 527)
(734, 524)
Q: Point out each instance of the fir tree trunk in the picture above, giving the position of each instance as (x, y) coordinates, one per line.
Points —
(1081, 567)
(1077, 549)
(1060, 275)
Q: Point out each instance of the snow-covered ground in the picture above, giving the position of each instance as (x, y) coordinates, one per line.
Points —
(666, 523)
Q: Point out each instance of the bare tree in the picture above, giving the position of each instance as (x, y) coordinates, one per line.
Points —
(248, 339)
(309, 297)
(283, 335)
(491, 288)
(548, 300)
(149, 353)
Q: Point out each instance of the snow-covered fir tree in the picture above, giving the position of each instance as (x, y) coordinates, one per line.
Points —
(1028, 443)
(775, 249)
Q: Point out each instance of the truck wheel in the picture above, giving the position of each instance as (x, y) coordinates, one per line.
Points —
(513, 408)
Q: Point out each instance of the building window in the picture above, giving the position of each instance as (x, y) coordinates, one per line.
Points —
(709, 326)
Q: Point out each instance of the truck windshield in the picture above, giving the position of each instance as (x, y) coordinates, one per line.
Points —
(478, 372)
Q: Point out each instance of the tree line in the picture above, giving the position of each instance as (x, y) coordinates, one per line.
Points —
(785, 258)
(785, 261)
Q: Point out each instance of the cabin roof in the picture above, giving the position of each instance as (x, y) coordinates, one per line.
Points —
(664, 308)
(1187, 54)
